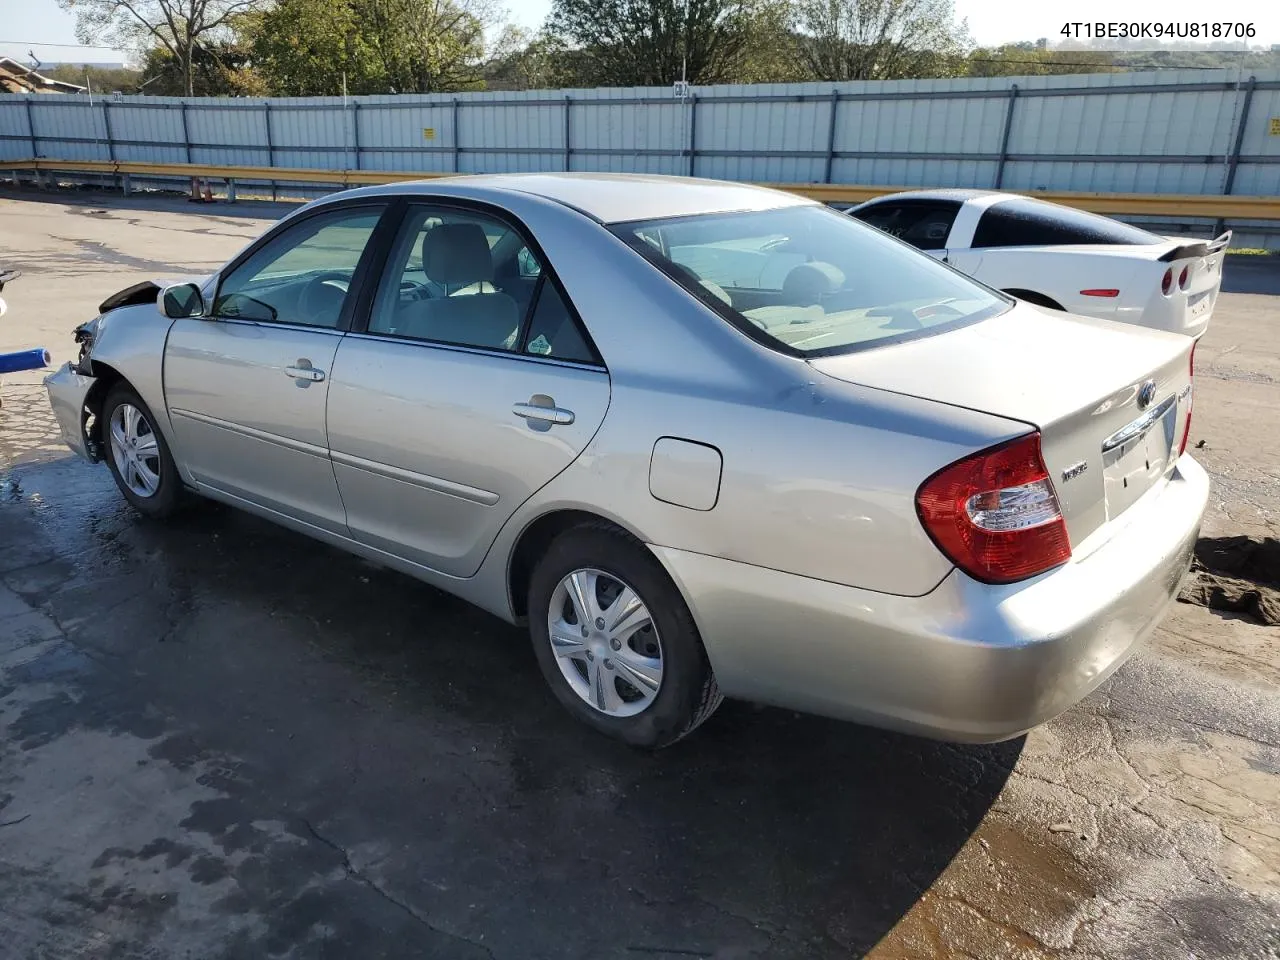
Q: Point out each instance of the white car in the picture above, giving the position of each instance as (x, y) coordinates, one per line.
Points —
(1059, 257)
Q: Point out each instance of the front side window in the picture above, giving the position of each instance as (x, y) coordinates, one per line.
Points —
(466, 278)
(303, 275)
(810, 280)
(923, 224)
(1024, 222)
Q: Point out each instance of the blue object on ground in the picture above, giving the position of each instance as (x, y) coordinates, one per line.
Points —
(24, 360)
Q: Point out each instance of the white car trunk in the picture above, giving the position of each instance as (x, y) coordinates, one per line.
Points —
(1080, 381)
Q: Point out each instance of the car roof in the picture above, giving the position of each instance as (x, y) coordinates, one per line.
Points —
(613, 197)
(950, 193)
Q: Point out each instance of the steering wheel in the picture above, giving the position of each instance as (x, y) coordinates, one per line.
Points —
(413, 290)
(321, 299)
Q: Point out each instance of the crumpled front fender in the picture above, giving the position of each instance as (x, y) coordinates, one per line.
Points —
(67, 390)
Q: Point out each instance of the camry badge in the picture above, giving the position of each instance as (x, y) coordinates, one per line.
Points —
(1146, 393)
(1075, 470)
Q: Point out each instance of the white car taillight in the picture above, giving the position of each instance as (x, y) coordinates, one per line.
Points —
(1166, 282)
(995, 514)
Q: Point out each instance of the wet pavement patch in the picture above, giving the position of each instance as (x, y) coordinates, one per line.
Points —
(1236, 575)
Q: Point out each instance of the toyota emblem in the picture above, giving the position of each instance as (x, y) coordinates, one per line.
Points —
(1146, 393)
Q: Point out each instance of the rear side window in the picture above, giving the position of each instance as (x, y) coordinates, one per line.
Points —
(925, 224)
(1020, 222)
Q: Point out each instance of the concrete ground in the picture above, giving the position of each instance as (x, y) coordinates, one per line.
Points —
(221, 740)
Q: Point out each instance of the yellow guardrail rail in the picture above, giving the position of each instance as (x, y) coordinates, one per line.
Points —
(1208, 206)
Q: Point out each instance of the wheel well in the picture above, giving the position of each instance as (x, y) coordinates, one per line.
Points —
(1038, 298)
(106, 377)
(533, 543)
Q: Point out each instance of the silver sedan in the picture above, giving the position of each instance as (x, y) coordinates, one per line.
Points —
(705, 439)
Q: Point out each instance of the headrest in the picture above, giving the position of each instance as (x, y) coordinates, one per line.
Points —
(457, 253)
(808, 283)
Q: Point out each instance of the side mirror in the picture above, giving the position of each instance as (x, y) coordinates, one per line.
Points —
(181, 301)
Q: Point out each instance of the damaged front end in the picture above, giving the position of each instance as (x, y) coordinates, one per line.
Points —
(68, 390)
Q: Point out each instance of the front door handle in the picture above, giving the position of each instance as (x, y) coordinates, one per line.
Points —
(543, 409)
(304, 371)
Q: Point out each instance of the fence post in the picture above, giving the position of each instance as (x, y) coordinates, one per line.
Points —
(186, 137)
(271, 153)
(457, 144)
(1004, 137)
(111, 147)
(568, 106)
(831, 136)
(693, 131)
(355, 129)
(31, 130)
(1234, 160)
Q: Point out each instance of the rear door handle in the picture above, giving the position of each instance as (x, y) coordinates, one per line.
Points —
(543, 412)
(303, 370)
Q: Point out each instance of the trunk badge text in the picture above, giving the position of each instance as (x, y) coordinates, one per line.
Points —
(1075, 470)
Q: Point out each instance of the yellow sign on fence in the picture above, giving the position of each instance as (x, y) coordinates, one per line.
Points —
(428, 133)
(1275, 126)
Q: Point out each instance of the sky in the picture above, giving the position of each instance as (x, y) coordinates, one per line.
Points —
(26, 23)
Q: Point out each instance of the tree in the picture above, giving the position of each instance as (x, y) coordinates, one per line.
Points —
(655, 42)
(308, 48)
(880, 39)
(427, 46)
(522, 60)
(180, 27)
(1030, 59)
(218, 69)
(98, 79)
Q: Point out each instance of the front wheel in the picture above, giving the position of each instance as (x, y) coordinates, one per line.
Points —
(138, 455)
(615, 640)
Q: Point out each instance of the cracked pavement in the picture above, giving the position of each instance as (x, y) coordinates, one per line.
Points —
(221, 740)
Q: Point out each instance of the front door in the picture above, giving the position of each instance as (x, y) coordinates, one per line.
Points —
(247, 385)
(472, 387)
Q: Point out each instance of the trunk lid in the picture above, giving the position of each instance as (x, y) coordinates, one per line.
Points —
(1110, 400)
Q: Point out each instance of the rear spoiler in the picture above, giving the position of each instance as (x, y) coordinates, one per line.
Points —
(1201, 248)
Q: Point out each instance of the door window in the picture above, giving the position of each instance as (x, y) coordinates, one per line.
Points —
(466, 278)
(923, 224)
(302, 276)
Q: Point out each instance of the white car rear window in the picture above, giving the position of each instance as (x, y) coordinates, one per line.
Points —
(809, 280)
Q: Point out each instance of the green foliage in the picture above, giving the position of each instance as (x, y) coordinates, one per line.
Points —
(655, 42)
(880, 39)
(218, 69)
(1028, 59)
(100, 79)
(307, 47)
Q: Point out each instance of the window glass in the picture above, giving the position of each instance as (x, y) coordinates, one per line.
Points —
(454, 276)
(811, 279)
(1024, 222)
(924, 225)
(303, 275)
(553, 332)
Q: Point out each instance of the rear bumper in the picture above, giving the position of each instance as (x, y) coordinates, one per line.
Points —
(67, 391)
(967, 662)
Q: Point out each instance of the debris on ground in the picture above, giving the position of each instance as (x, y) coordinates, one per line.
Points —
(1236, 575)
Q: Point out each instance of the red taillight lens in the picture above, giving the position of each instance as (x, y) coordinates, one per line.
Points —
(1186, 427)
(1166, 283)
(995, 514)
(1184, 277)
(1101, 292)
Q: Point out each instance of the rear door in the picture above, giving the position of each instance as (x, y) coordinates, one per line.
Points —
(471, 386)
(246, 386)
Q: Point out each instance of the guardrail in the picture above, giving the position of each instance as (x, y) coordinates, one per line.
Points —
(1206, 206)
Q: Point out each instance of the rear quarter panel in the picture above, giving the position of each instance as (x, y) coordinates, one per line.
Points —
(1061, 273)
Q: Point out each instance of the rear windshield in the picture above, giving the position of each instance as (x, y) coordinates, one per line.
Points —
(809, 280)
(1023, 222)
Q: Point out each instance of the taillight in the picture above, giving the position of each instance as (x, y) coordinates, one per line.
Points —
(995, 514)
(1186, 427)
(1184, 277)
(1100, 292)
(1166, 283)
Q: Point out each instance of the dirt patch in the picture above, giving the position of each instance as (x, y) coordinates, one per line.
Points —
(1236, 575)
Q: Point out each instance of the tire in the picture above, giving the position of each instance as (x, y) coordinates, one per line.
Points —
(168, 493)
(687, 693)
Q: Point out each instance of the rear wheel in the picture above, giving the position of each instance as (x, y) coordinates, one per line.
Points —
(615, 640)
(138, 455)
